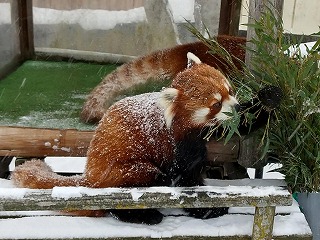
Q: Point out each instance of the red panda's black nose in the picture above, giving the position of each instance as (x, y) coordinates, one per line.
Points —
(237, 107)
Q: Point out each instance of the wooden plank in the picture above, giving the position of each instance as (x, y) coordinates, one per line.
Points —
(218, 151)
(184, 238)
(25, 22)
(71, 198)
(39, 142)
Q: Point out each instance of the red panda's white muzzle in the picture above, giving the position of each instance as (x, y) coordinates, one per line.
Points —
(228, 106)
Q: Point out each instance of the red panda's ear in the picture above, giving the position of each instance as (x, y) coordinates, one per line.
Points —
(166, 101)
(192, 59)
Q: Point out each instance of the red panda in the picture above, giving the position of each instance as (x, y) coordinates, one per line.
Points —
(149, 139)
(159, 65)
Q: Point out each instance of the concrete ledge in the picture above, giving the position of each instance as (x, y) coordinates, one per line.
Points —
(79, 55)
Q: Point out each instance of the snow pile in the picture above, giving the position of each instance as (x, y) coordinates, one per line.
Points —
(72, 227)
(301, 49)
(89, 19)
(239, 221)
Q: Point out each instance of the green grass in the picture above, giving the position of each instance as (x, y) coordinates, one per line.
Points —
(48, 94)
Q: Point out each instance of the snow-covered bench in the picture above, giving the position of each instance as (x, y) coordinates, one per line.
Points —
(240, 223)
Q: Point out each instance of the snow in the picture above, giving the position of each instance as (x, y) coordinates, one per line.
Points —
(89, 19)
(238, 221)
(77, 227)
(181, 14)
(54, 225)
(302, 48)
(136, 193)
(100, 19)
(67, 164)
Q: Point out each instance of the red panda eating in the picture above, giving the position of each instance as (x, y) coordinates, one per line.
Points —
(148, 140)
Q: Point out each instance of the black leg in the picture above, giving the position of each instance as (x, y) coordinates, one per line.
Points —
(145, 216)
(205, 213)
(4, 166)
(259, 173)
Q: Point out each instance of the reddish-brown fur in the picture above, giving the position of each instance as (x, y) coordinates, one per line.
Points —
(132, 145)
(158, 65)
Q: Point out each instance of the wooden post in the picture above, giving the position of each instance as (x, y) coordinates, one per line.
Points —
(229, 17)
(25, 22)
(263, 223)
(256, 8)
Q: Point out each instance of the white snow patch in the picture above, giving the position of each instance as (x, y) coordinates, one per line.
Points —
(13, 193)
(301, 48)
(67, 164)
(136, 194)
(5, 13)
(182, 10)
(72, 227)
(75, 192)
(89, 19)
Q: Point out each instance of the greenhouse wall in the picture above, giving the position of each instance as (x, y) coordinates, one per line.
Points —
(9, 37)
(130, 28)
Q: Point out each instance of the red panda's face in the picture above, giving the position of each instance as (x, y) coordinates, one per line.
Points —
(200, 95)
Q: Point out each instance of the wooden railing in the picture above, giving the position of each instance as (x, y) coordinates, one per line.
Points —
(225, 193)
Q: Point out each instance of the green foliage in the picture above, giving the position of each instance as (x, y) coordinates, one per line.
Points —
(294, 134)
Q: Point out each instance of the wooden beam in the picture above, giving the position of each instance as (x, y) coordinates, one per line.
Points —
(256, 8)
(25, 23)
(40, 142)
(219, 152)
(229, 194)
(229, 17)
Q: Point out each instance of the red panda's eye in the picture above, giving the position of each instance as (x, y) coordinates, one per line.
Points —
(217, 105)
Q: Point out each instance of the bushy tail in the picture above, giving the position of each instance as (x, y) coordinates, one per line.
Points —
(130, 74)
(38, 175)
(160, 65)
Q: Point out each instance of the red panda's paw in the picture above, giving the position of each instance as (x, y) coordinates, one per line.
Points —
(270, 96)
(145, 216)
(206, 213)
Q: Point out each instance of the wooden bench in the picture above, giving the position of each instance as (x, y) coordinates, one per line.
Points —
(263, 195)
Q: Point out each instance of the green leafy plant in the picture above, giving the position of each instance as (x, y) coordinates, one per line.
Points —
(277, 59)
